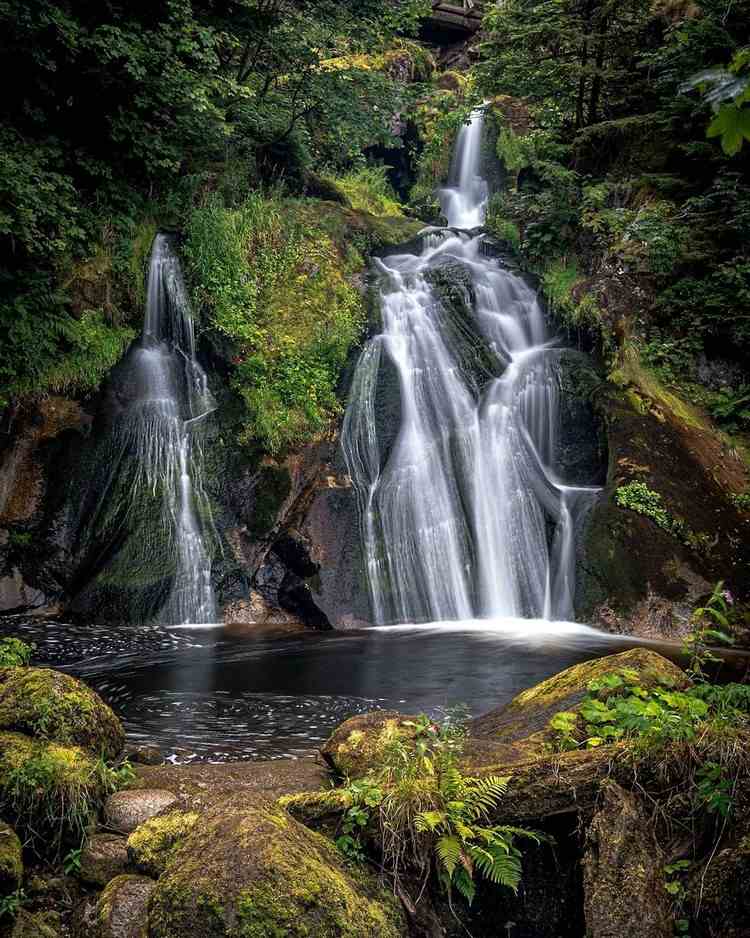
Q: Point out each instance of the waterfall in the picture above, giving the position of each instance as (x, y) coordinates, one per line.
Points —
(151, 516)
(466, 513)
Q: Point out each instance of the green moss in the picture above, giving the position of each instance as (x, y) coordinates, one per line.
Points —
(54, 706)
(11, 860)
(253, 873)
(153, 844)
(52, 791)
(358, 744)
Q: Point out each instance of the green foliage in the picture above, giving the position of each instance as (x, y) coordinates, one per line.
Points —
(11, 904)
(14, 653)
(429, 815)
(72, 861)
(276, 299)
(710, 626)
(728, 92)
(369, 190)
(638, 497)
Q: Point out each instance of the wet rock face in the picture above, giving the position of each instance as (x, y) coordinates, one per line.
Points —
(623, 872)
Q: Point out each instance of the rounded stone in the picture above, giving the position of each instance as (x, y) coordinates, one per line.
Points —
(11, 862)
(126, 810)
(52, 706)
(103, 857)
(122, 909)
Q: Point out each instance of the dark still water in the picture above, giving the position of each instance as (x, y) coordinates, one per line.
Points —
(203, 694)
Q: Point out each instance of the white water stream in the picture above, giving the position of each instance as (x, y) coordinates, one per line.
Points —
(466, 515)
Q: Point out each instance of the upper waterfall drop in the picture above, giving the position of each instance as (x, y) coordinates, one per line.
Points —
(466, 513)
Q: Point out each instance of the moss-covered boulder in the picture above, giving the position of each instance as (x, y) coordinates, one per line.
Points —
(153, 844)
(103, 857)
(357, 745)
(523, 724)
(55, 706)
(258, 873)
(11, 860)
(122, 909)
(51, 792)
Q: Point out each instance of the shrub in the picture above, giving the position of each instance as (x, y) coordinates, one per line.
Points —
(14, 653)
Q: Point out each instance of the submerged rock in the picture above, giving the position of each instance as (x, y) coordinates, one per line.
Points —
(624, 894)
(127, 810)
(11, 860)
(122, 909)
(260, 874)
(103, 857)
(55, 706)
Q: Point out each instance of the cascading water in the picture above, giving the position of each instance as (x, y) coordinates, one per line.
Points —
(151, 517)
(466, 514)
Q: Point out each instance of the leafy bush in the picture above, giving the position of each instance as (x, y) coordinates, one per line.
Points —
(14, 653)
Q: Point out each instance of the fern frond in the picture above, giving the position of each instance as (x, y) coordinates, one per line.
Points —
(464, 884)
(448, 850)
(429, 820)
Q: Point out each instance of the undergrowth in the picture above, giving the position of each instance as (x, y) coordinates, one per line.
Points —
(424, 816)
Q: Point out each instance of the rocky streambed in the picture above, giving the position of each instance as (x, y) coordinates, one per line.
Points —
(91, 848)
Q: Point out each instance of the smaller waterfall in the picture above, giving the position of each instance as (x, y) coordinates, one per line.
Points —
(152, 517)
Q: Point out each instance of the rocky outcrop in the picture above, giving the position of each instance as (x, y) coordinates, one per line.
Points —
(641, 575)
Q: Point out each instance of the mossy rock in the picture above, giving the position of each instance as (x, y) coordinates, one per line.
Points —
(255, 873)
(38, 925)
(51, 792)
(122, 909)
(103, 857)
(357, 745)
(153, 844)
(524, 722)
(53, 706)
(11, 860)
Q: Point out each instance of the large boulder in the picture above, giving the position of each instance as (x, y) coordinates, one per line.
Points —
(624, 894)
(54, 706)
(11, 860)
(260, 874)
(126, 810)
(523, 724)
(52, 792)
